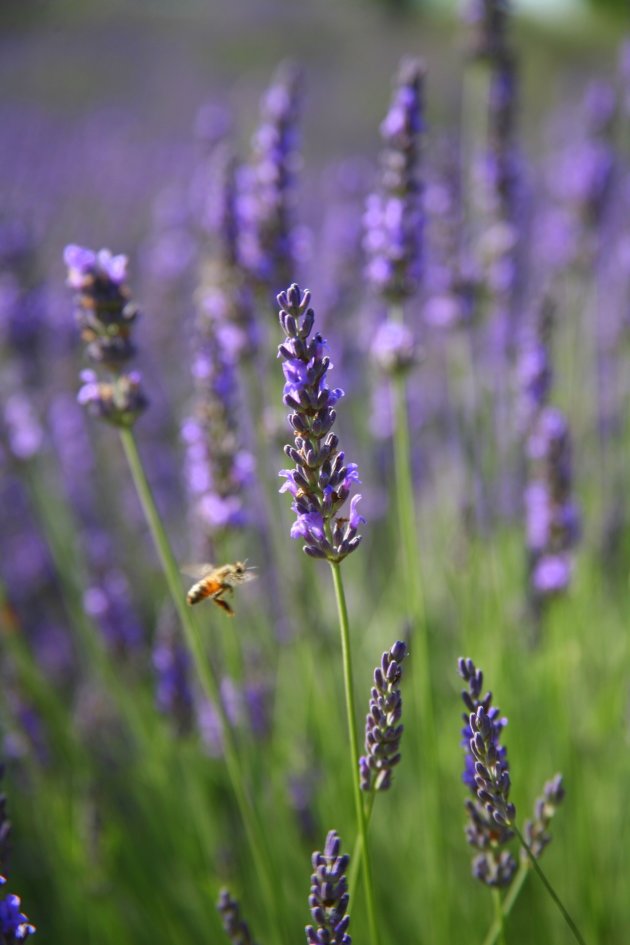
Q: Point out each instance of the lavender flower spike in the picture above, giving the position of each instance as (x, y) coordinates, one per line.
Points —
(105, 313)
(393, 216)
(383, 728)
(321, 481)
(235, 928)
(329, 896)
(486, 773)
(536, 831)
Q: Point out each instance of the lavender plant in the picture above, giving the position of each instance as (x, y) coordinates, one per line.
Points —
(320, 484)
(14, 925)
(329, 896)
(492, 816)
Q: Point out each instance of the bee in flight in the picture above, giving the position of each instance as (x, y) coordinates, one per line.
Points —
(214, 582)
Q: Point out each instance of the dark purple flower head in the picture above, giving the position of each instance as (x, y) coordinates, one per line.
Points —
(321, 481)
(393, 218)
(106, 313)
(329, 896)
(14, 925)
(486, 773)
(383, 728)
(235, 927)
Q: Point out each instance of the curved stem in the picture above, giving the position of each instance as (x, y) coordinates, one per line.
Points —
(354, 746)
(209, 683)
(534, 862)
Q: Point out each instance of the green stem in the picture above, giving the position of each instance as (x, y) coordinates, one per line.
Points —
(534, 862)
(498, 909)
(209, 683)
(496, 928)
(357, 853)
(354, 746)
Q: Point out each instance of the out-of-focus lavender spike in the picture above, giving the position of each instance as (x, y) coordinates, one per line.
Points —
(108, 602)
(268, 239)
(553, 519)
(173, 691)
(383, 728)
(321, 481)
(486, 773)
(536, 831)
(393, 217)
(329, 897)
(218, 468)
(105, 313)
(235, 927)
(488, 24)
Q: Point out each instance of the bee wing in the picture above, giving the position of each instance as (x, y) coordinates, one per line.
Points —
(197, 571)
(249, 575)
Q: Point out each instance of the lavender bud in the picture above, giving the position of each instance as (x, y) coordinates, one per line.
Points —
(383, 730)
(235, 927)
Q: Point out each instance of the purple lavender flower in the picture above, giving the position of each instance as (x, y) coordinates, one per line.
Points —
(14, 925)
(173, 692)
(329, 896)
(321, 481)
(393, 218)
(393, 348)
(268, 238)
(536, 831)
(553, 520)
(383, 728)
(235, 927)
(219, 470)
(105, 314)
(486, 773)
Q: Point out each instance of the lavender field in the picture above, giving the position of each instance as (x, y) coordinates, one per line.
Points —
(314, 468)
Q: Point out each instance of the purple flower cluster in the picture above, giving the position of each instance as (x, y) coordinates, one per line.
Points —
(486, 773)
(14, 925)
(321, 481)
(393, 218)
(329, 896)
(105, 313)
(536, 831)
(235, 927)
(553, 520)
(219, 470)
(268, 239)
(383, 728)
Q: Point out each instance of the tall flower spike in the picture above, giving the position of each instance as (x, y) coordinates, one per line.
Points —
(235, 927)
(321, 481)
(329, 896)
(486, 773)
(383, 728)
(105, 313)
(393, 217)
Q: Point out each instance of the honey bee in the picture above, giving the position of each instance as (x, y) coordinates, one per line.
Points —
(214, 582)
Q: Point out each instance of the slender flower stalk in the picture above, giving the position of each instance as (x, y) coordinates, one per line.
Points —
(492, 816)
(329, 897)
(320, 485)
(104, 300)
